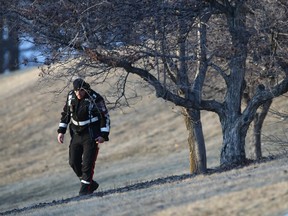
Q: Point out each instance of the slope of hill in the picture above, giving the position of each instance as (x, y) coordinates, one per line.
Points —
(143, 170)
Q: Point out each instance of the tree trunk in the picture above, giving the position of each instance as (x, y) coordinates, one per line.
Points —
(233, 148)
(257, 127)
(235, 128)
(2, 49)
(13, 49)
(198, 161)
(191, 145)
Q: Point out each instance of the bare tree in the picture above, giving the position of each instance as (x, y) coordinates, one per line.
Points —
(171, 45)
(2, 49)
(266, 55)
(9, 41)
(13, 47)
(277, 143)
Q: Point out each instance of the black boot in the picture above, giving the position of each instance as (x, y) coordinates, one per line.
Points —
(88, 188)
(94, 186)
(84, 189)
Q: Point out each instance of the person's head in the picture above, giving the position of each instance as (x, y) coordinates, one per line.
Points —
(80, 87)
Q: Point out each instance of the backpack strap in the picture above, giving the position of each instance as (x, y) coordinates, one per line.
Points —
(71, 97)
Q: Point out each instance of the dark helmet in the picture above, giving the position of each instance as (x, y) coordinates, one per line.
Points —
(80, 84)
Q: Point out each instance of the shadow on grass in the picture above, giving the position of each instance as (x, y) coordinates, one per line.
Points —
(132, 187)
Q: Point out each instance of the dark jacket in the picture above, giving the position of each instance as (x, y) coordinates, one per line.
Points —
(89, 114)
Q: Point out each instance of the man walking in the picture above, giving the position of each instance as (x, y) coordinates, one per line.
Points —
(89, 125)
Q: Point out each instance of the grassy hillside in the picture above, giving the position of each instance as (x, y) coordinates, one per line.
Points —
(148, 142)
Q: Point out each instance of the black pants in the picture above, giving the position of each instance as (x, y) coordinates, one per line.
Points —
(83, 153)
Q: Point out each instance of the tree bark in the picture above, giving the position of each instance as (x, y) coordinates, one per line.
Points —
(233, 149)
(234, 130)
(2, 48)
(196, 143)
(13, 49)
(257, 128)
(191, 145)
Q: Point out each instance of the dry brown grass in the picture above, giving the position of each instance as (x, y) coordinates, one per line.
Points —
(148, 141)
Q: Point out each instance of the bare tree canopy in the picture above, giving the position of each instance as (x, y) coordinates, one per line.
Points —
(200, 55)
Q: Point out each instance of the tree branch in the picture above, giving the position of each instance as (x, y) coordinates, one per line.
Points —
(262, 95)
(161, 91)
